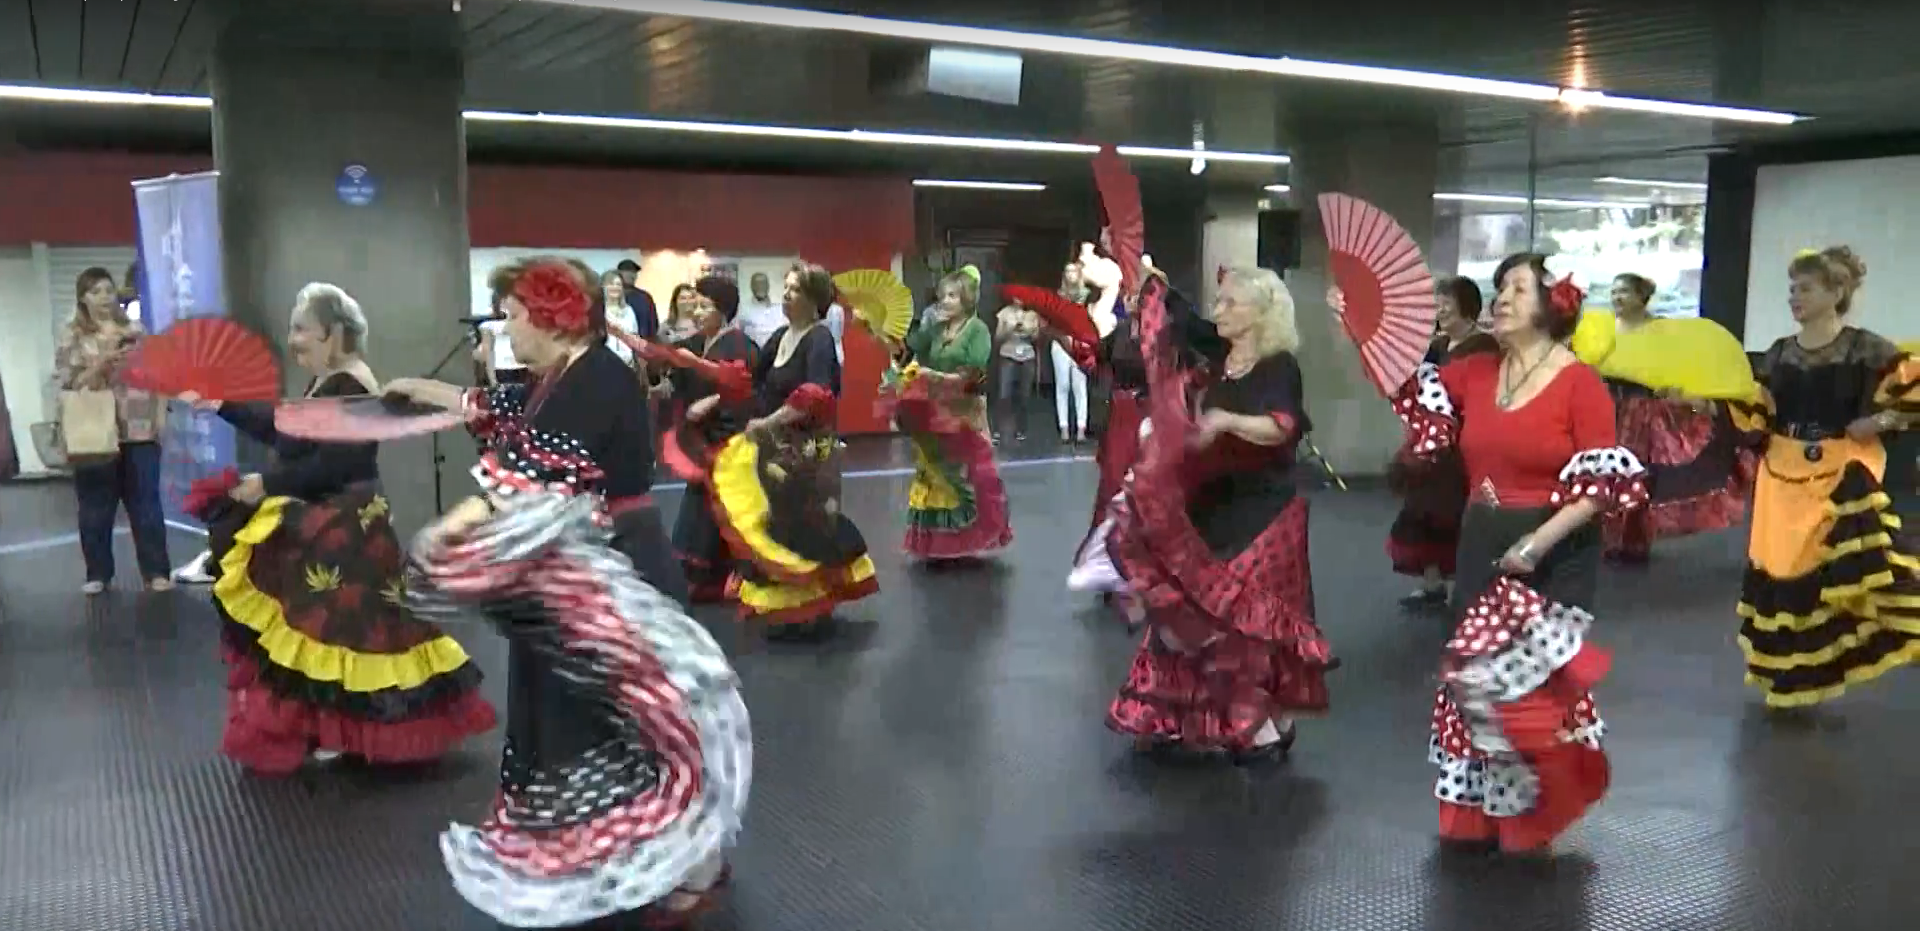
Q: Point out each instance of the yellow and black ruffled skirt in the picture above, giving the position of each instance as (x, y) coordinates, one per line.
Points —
(321, 650)
(776, 500)
(1832, 591)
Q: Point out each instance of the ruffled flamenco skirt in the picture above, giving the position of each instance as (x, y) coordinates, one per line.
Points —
(1231, 642)
(687, 452)
(1516, 734)
(1831, 597)
(1426, 532)
(956, 505)
(1119, 447)
(620, 801)
(321, 651)
(776, 502)
(1698, 476)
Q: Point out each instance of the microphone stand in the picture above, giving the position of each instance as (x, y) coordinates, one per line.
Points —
(440, 458)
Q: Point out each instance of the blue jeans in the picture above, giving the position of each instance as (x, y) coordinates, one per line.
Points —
(131, 479)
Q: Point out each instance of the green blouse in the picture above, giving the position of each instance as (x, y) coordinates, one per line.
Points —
(971, 348)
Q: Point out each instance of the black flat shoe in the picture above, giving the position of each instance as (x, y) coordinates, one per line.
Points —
(1268, 754)
(1424, 599)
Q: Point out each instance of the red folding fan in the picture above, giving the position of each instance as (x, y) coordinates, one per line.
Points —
(215, 358)
(1125, 234)
(1069, 317)
(730, 379)
(1385, 300)
(361, 419)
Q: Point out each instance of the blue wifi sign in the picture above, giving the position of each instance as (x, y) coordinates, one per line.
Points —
(356, 186)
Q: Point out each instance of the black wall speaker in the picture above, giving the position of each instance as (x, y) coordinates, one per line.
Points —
(1279, 247)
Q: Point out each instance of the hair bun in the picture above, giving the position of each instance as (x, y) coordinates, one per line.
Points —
(1846, 258)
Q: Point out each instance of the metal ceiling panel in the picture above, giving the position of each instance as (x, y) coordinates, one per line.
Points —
(155, 31)
(106, 35)
(19, 58)
(55, 28)
(183, 69)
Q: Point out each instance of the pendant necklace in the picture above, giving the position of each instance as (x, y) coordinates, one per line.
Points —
(1508, 388)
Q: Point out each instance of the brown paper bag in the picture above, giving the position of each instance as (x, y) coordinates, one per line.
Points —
(89, 425)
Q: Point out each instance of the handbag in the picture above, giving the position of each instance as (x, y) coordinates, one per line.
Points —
(89, 425)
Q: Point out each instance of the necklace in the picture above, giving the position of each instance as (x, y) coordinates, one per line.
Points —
(1509, 388)
(1235, 368)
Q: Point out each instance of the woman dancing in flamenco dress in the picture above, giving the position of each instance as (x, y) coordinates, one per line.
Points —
(323, 657)
(1119, 353)
(1426, 532)
(1699, 476)
(1830, 598)
(1515, 732)
(626, 761)
(1211, 533)
(956, 505)
(708, 423)
(775, 486)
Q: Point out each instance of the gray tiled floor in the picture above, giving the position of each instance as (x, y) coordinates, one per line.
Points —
(943, 767)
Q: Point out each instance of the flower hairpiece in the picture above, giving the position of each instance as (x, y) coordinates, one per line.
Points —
(554, 299)
(1806, 254)
(1566, 297)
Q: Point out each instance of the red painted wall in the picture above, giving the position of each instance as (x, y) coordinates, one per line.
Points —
(85, 199)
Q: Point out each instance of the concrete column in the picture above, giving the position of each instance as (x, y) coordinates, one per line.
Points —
(298, 97)
(1392, 162)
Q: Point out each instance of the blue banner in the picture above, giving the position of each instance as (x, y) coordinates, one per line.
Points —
(182, 276)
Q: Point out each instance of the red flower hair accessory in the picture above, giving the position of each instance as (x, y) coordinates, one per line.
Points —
(554, 299)
(1566, 297)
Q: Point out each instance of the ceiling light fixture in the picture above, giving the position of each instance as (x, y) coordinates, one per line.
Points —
(1512, 200)
(1647, 182)
(1520, 200)
(979, 185)
(868, 136)
(747, 14)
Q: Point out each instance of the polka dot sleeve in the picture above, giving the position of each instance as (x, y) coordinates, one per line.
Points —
(1426, 407)
(488, 409)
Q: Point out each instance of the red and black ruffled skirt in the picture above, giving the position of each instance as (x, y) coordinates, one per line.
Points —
(321, 650)
(1231, 640)
(1699, 477)
(1426, 532)
(1119, 447)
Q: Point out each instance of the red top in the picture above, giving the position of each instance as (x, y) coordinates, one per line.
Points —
(1521, 452)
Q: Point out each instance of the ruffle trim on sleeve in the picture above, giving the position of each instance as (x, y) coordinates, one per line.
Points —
(1612, 477)
(1423, 405)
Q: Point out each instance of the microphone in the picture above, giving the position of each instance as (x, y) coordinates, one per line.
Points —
(476, 321)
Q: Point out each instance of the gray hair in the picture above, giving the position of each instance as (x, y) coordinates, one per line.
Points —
(332, 308)
(1274, 331)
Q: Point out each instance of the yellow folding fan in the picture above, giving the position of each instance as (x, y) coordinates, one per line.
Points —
(1692, 355)
(878, 299)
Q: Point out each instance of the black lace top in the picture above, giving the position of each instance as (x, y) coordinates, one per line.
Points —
(1817, 392)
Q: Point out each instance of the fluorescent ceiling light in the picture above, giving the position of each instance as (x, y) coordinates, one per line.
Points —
(1644, 182)
(979, 185)
(109, 98)
(1520, 200)
(867, 136)
(1040, 43)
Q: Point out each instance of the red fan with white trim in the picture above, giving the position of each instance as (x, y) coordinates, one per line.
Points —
(1384, 293)
(212, 357)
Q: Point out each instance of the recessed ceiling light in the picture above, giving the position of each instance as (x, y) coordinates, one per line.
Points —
(1575, 98)
(1278, 188)
(979, 185)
